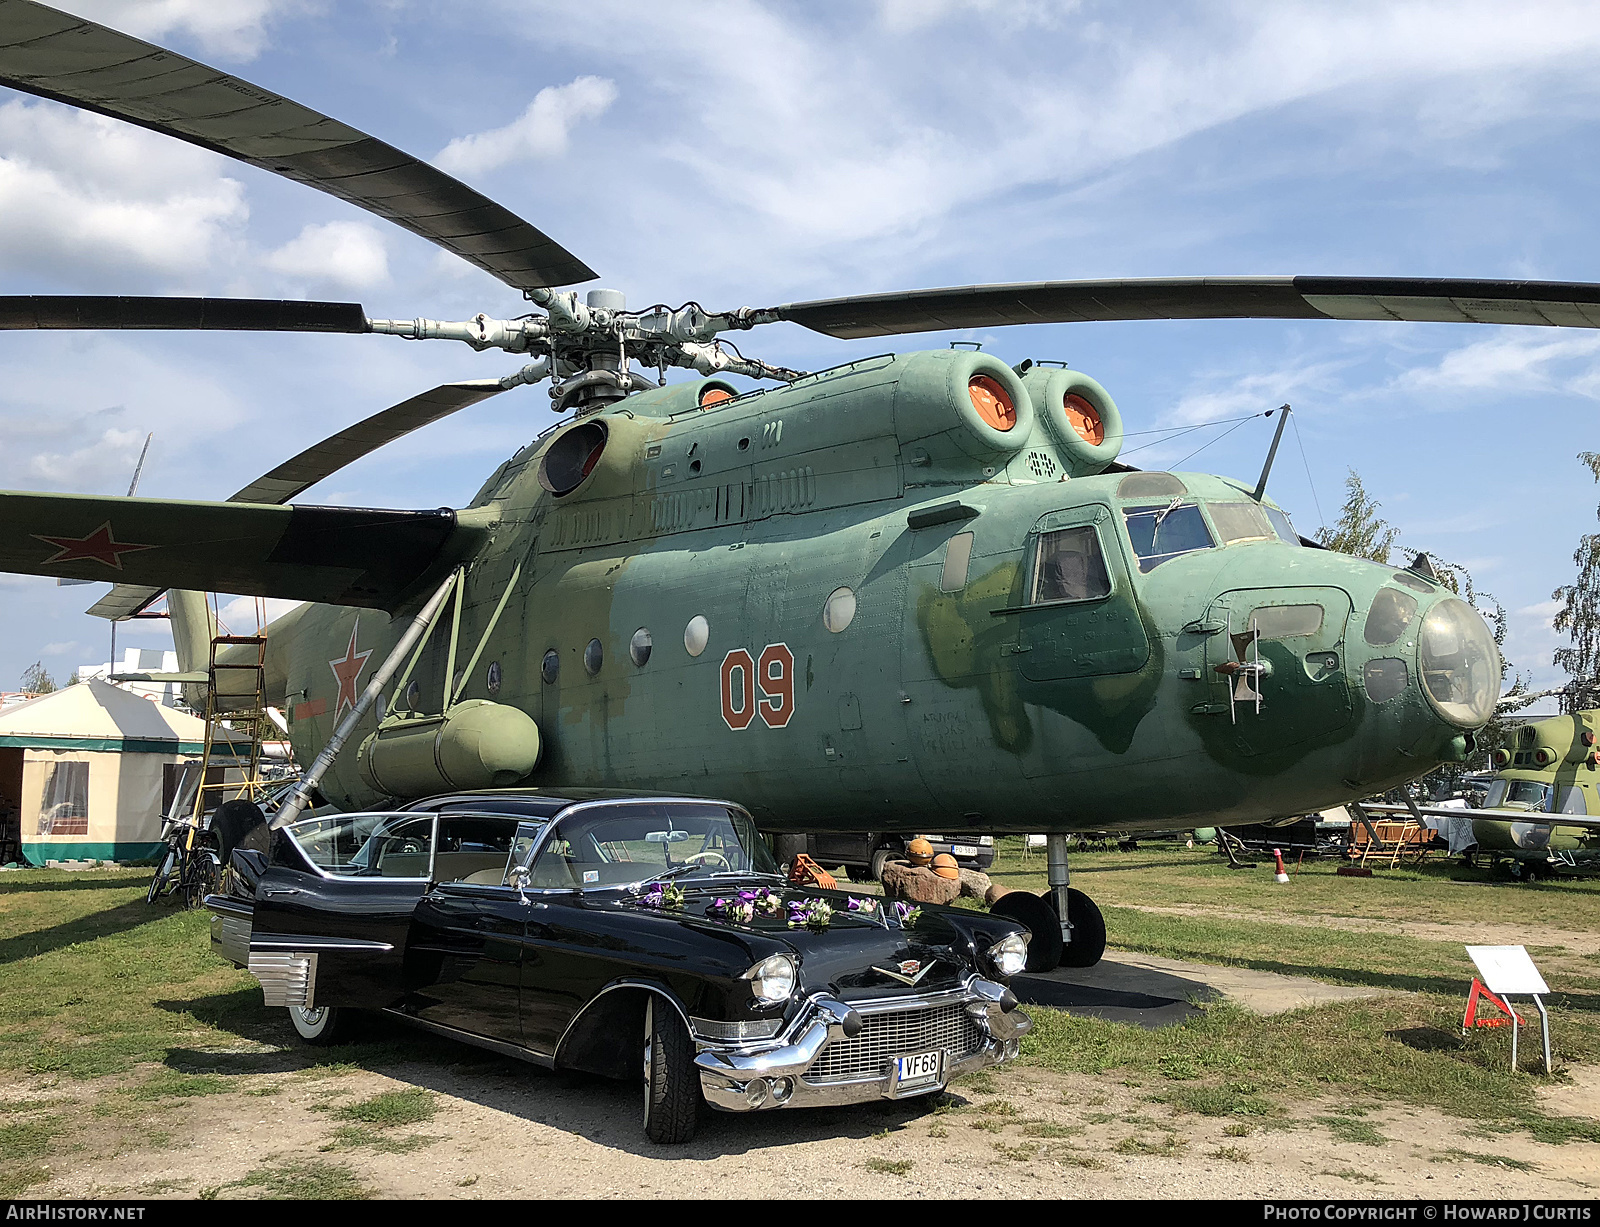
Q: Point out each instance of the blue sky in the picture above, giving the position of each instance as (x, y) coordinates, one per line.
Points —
(743, 153)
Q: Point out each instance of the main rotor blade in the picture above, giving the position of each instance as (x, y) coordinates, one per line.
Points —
(1561, 304)
(238, 314)
(322, 460)
(68, 59)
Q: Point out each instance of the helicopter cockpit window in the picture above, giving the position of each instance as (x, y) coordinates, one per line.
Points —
(1392, 611)
(1069, 566)
(1286, 621)
(1572, 801)
(1160, 534)
(1527, 794)
(1150, 485)
(1240, 522)
(1280, 525)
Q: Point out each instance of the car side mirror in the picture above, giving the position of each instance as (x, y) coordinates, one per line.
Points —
(519, 877)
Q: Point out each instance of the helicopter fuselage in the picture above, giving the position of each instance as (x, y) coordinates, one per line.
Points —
(846, 606)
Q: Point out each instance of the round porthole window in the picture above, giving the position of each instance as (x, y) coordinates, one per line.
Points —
(593, 657)
(696, 635)
(413, 697)
(639, 646)
(492, 678)
(550, 666)
(839, 610)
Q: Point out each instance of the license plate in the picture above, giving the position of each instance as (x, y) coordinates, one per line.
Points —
(917, 1070)
(963, 850)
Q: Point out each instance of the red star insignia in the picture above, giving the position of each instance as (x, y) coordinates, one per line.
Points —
(99, 545)
(347, 671)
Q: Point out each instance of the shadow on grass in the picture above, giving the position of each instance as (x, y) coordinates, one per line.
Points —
(1427, 1039)
(114, 920)
(15, 884)
(597, 1109)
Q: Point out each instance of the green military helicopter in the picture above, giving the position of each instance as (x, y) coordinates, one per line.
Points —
(1542, 810)
(912, 592)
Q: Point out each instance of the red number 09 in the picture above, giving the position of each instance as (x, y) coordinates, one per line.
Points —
(772, 675)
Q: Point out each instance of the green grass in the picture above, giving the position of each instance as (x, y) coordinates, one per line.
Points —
(1165, 874)
(1136, 1144)
(1231, 1154)
(354, 1137)
(890, 1167)
(1345, 1129)
(304, 1179)
(1516, 1165)
(411, 1106)
(1349, 1050)
(169, 1084)
(1046, 1129)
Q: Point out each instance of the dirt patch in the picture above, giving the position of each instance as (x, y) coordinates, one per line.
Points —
(1574, 941)
(496, 1130)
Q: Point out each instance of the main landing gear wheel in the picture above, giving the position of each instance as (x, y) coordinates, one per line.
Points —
(323, 1024)
(1044, 950)
(1088, 942)
(671, 1082)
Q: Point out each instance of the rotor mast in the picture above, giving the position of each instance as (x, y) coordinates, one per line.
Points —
(586, 347)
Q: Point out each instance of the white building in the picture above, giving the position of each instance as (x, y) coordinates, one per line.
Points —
(141, 660)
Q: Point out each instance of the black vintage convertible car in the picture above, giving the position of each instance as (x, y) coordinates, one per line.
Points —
(635, 937)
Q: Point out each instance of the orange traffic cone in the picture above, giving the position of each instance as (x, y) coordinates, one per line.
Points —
(1282, 875)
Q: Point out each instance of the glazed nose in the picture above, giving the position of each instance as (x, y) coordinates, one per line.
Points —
(1454, 657)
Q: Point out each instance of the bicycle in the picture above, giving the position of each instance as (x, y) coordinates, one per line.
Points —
(191, 863)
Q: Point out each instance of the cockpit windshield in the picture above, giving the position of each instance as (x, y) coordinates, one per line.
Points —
(1160, 534)
(1526, 794)
(620, 845)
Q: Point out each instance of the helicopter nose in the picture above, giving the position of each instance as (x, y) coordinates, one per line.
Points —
(1458, 663)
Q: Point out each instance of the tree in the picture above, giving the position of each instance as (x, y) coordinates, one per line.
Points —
(1579, 617)
(1360, 530)
(36, 679)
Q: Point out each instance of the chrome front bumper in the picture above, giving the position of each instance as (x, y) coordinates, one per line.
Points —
(797, 1069)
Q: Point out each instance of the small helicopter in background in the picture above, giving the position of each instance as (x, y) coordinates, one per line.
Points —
(915, 591)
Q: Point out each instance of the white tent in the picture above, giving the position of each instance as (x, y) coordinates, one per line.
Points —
(85, 771)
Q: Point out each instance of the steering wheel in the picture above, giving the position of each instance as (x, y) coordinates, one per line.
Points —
(700, 858)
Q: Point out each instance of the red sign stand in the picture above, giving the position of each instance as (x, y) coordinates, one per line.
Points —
(1471, 1019)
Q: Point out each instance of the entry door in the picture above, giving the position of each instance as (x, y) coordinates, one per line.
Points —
(1081, 618)
(1306, 694)
(464, 964)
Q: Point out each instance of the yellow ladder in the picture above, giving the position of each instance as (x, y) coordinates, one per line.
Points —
(244, 710)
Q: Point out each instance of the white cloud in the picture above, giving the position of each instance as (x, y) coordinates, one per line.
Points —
(1540, 360)
(229, 29)
(541, 131)
(60, 649)
(240, 613)
(113, 452)
(89, 196)
(884, 146)
(349, 254)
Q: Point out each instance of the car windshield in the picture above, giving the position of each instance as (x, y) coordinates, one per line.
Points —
(612, 846)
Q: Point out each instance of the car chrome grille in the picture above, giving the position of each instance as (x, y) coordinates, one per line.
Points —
(897, 1033)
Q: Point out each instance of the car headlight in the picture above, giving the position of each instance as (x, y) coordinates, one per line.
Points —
(1010, 954)
(772, 979)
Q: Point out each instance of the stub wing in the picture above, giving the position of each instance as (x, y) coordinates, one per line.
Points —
(358, 556)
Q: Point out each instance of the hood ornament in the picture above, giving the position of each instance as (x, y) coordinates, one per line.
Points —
(911, 971)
